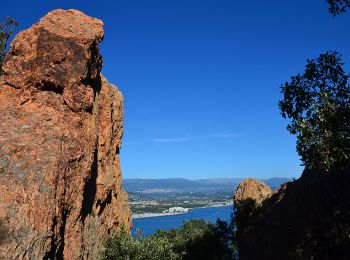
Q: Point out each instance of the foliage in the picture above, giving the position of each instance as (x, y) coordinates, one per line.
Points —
(196, 239)
(7, 27)
(122, 246)
(317, 102)
(338, 6)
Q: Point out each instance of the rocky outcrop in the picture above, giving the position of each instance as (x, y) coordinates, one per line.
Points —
(61, 125)
(251, 189)
(308, 218)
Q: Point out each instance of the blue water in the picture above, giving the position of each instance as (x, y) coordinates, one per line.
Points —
(149, 226)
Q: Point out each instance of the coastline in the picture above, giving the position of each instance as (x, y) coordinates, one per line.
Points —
(152, 215)
(162, 214)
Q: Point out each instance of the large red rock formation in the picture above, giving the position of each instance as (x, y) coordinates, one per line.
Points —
(308, 218)
(61, 125)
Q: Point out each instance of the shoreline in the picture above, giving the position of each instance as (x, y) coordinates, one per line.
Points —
(152, 215)
(160, 214)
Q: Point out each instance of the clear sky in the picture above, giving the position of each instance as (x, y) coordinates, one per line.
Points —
(201, 78)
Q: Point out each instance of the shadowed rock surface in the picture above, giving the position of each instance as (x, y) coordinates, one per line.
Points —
(305, 219)
(61, 125)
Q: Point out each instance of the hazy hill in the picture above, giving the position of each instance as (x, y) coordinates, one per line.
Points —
(180, 185)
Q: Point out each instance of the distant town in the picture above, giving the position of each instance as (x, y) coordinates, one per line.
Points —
(148, 198)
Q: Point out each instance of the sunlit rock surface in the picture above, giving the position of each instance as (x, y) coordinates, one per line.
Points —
(61, 125)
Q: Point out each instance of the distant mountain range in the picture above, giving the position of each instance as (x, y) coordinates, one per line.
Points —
(179, 185)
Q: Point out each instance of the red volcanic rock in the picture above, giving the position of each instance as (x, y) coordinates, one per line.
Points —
(308, 218)
(61, 125)
(251, 189)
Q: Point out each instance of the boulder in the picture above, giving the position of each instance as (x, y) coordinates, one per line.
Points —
(251, 189)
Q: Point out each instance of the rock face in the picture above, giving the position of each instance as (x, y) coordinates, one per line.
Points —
(251, 189)
(305, 219)
(61, 125)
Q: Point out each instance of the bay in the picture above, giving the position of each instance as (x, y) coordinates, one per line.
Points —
(150, 225)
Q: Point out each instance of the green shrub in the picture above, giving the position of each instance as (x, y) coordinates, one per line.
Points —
(122, 246)
(196, 239)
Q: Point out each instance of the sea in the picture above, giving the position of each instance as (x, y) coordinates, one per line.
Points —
(150, 225)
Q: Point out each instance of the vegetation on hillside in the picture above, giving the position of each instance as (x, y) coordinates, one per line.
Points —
(121, 245)
(196, 239)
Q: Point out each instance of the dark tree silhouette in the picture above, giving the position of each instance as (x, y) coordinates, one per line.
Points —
(338, 6)
(318, 104)
(7, 27)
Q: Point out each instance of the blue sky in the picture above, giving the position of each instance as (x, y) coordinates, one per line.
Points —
(201, 78)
